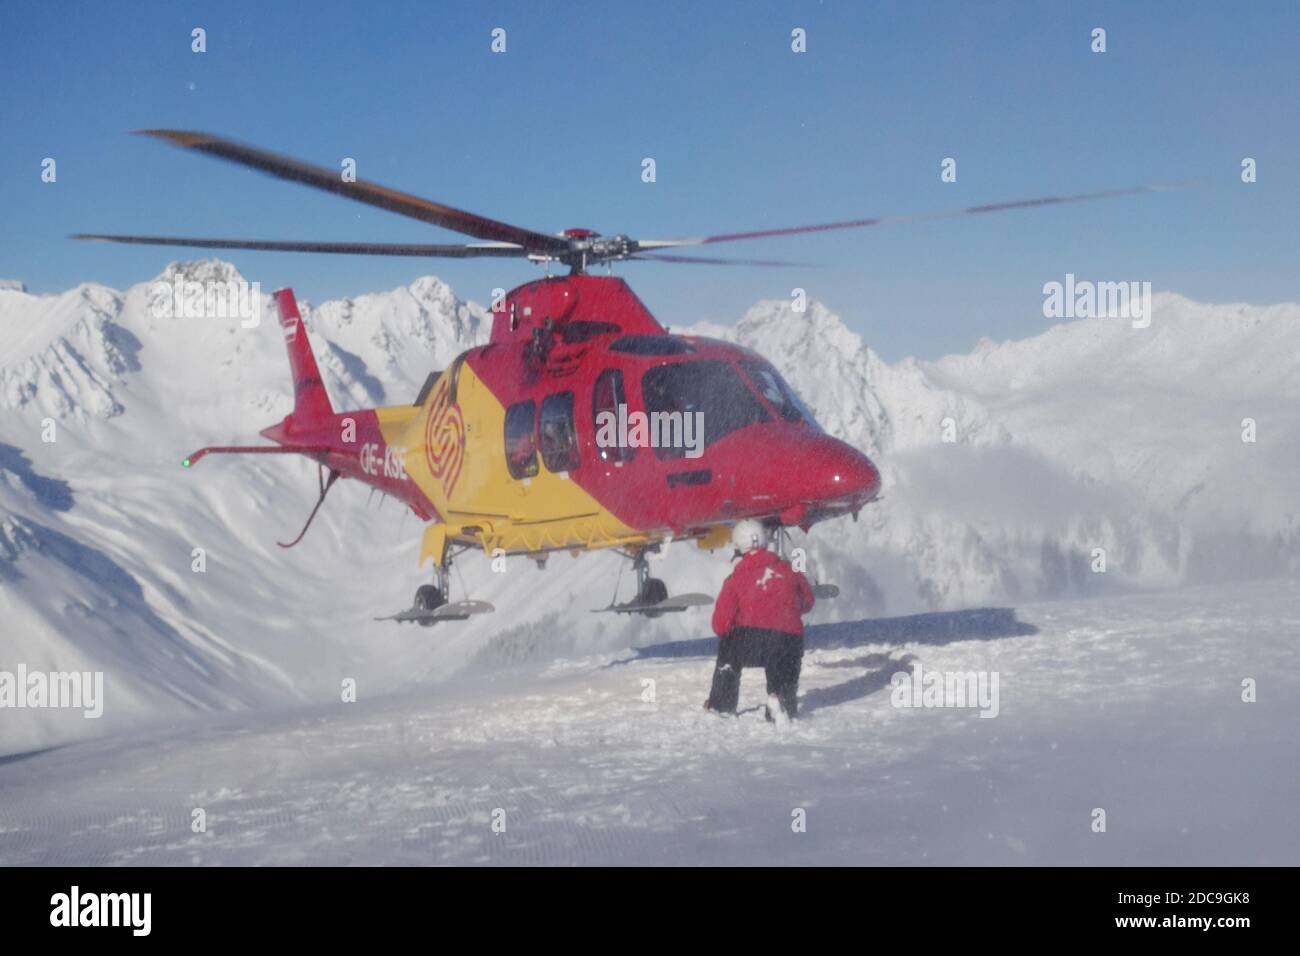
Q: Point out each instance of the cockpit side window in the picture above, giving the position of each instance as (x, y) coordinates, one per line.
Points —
(606, 398)
(711, 388)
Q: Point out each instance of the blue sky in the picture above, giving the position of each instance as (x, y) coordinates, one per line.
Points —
(745, 134)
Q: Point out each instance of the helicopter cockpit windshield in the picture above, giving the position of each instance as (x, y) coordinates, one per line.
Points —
(777, 391)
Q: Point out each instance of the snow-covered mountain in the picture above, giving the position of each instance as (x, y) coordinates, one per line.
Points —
(1004, 470)
(1093, 434)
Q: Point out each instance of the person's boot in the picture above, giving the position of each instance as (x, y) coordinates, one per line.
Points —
(708, 705)
(726, 687)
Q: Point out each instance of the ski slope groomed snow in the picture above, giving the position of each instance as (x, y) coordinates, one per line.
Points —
(1130, 705)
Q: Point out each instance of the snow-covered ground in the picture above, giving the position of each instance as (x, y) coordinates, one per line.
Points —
(1007, 472)
(1132, 705)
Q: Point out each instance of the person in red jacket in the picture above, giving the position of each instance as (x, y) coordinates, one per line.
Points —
(758, 620)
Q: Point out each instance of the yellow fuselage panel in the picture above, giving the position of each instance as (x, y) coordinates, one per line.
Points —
(455, 454)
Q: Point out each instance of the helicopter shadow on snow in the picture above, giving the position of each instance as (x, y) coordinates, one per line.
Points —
(933, 629)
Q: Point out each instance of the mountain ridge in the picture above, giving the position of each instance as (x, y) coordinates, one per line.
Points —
(1091, 435)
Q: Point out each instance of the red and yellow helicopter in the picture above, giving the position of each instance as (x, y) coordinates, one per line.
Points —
(522, 446)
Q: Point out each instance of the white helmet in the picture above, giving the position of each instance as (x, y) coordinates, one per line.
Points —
(748, 535)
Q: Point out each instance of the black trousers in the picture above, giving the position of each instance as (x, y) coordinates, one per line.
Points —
(778, 653)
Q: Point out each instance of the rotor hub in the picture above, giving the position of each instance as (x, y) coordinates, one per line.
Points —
(588, 247)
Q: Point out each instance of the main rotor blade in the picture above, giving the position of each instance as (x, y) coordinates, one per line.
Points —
(915, 217)
(471, 251)
(425, 210)
(714, 261)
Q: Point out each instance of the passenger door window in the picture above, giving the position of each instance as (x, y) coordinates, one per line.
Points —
(559, 440)
(521, 440)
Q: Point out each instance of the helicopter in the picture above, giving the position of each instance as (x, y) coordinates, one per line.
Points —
(521, 446)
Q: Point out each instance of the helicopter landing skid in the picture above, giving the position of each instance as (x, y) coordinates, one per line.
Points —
(680, 602)
(456, 611)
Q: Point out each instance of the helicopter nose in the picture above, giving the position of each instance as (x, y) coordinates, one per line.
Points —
(841, 473)
(810, 476)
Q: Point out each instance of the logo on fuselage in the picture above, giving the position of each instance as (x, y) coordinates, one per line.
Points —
(444, 439)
